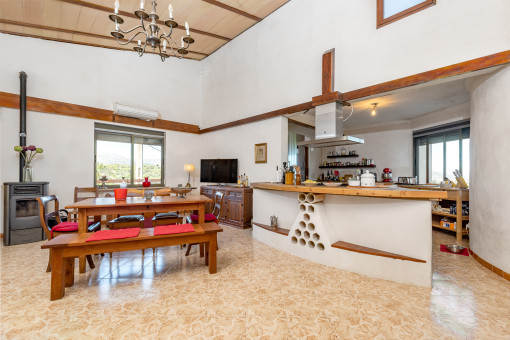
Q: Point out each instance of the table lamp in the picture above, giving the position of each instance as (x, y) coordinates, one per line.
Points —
(189, 168)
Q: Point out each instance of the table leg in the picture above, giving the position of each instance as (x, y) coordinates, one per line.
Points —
(212, 254)
(82, 228)
(206, 253)
(69, 270)
(201, 213)
(57, 275)
(201, 246)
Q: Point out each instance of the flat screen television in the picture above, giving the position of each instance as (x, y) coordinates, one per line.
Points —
(218, 170)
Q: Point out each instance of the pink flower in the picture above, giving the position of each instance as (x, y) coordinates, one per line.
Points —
(31, 147)
(25, 148)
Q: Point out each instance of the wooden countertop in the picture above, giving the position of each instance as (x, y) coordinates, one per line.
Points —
(381, 192)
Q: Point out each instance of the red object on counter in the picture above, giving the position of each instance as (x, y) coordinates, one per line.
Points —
(387, 175)
(146, 184)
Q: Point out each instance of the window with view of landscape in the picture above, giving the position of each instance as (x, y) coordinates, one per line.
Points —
(440, 151)
(129, 154)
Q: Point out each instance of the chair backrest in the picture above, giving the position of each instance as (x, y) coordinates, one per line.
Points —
(85, 193)
(218, 203)
(43, 216)
(163, 192)
(135, 192)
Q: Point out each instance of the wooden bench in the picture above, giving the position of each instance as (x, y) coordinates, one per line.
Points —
(65, 248)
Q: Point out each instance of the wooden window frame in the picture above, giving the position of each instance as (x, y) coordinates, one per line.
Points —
(381, 21)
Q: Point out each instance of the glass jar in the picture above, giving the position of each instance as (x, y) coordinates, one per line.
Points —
(28, 173)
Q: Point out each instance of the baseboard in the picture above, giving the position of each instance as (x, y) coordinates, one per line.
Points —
(489, 266)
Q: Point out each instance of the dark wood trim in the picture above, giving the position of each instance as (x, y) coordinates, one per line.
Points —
(264, 116)
(233, 9)
(327, 98)
(381, 21)
(280, 231)
(328, 71)
(371, 251)
(63, 30)
(132, 15)
(489, 266)
(424, 77)
(76, 42)
(54, 107)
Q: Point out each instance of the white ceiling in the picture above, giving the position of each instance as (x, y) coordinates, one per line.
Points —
(405, 104)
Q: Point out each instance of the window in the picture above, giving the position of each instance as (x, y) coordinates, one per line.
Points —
(132, 154)
(389, 11)
(441, 150)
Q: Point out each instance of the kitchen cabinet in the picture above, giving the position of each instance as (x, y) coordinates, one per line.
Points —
(237, 208)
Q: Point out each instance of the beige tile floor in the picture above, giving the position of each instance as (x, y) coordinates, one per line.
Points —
(258, 292)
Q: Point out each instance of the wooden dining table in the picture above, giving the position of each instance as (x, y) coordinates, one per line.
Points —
(134, 205)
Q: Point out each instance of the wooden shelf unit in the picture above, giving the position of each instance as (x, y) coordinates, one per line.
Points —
(237, 208)
(457, 196)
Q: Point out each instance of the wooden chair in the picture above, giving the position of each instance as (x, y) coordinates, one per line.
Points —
(61, 227)
(168, 217)
(81, 194)
(129, 221)
(213, 216)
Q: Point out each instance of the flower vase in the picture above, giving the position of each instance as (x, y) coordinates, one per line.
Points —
(28, 173)
(146, 184)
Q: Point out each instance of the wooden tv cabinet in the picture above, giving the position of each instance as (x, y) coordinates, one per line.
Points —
(237, 209)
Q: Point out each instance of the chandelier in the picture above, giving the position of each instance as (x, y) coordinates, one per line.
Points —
(155, 36)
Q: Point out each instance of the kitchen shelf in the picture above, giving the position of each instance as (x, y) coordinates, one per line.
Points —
(438, 225)
(464, 217)
(346, 166)
(343, 156)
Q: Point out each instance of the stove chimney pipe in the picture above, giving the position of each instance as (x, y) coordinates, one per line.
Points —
(22, 118)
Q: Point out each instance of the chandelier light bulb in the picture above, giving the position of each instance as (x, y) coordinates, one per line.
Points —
(116, 6)
(170, 11)
(164, 45)
(142, 3)
(187, 28)
(182, 42)
(139, 43)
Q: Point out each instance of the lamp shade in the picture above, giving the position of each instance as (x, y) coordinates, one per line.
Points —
(189, 167)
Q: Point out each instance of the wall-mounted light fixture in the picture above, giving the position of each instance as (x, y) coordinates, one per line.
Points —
(374, 112)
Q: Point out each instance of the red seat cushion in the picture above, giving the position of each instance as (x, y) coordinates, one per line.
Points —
(66, 226)
(208, 217)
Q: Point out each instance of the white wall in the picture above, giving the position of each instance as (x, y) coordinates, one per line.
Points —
(390, 149)
(97, 77)
(277, 63)
(68, 158)
(490, 140)
(239, 142)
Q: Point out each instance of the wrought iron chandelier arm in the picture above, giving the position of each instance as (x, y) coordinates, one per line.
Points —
(132, 38)
(131, 30)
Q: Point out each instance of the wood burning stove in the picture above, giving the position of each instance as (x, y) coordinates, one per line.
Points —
(21, 212)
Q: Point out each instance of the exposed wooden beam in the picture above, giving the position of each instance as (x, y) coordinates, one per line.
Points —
(63, 30)
(11, 100)
(328, 71)
(297, 122)
(263, 116)
(132, 15)
(233, 9)
(424, 77)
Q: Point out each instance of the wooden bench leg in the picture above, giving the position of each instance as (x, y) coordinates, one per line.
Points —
(212, 254)
(69, 271)
(57, 275)
(201, 246)
(206, 251)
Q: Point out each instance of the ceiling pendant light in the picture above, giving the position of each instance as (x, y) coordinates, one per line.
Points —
(374, 112)
(155, 36)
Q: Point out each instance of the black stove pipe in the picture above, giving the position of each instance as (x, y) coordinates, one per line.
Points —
(22, 118)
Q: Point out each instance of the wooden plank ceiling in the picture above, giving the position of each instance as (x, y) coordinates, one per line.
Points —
(213, 23)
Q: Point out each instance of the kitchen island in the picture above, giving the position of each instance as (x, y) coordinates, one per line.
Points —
(382, 232)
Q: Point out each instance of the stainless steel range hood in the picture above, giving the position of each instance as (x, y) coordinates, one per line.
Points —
(329, 129)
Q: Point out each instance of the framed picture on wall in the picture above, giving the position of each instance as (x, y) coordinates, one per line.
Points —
(261, 153)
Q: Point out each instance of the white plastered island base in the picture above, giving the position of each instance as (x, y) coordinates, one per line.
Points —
(397, 226)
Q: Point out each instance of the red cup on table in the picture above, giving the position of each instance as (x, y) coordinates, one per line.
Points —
(120, 194)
